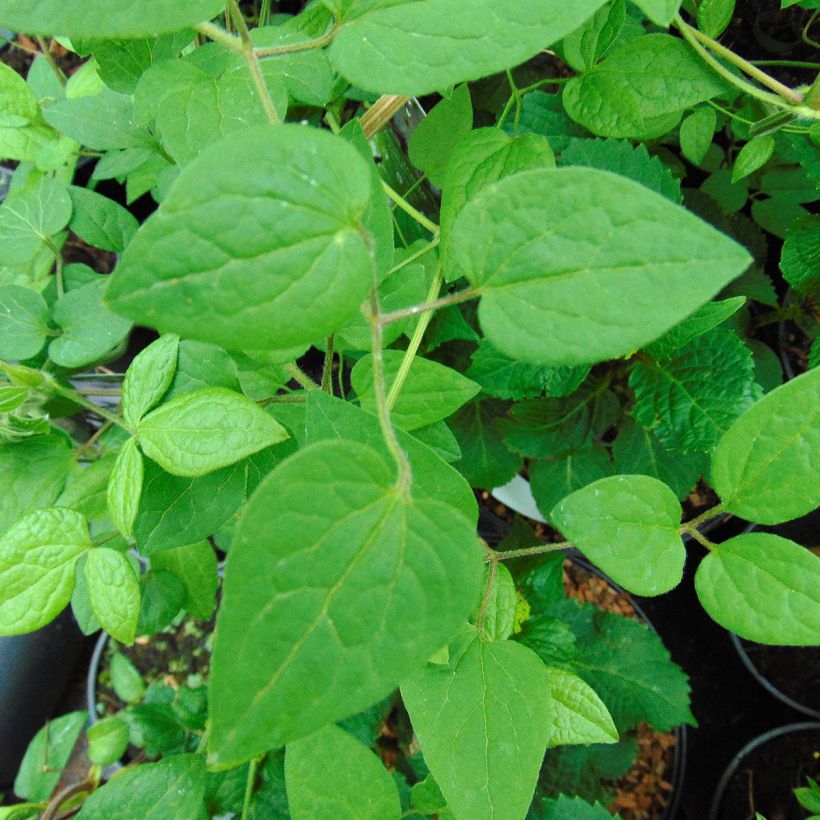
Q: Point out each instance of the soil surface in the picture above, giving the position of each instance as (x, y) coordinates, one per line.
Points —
(795, 671)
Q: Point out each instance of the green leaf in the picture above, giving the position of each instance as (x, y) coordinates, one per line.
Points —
(660, 12)
(30, 217)
(483, 157)
(628, 526)
(637, 451)
(105, 18)
(200, 364)
(176, 511)
(80, 602)
(125, 487)
(574, 808)
(33, 473)
(625, 159)
(195, 566)
(753, 156)
(399, 577)
(126, 680)
(641, 89)
(690, 400)
(12, 397)
(800, 259)
(37, 556)
(201, 431)
(148, 377)
(330, 774)
(506, 378)
(162, 597)
(485, 460)
(174, 787)
(440, 439)
(434, 138)
(714, 16)
(47, 755)
(107, 741)
(700, 322)
(764, 588)
(284, 287)
(579, 716)
(100, 221)
(90, 330)
(764, 467)
(23, 322)
(730, 196)
(23, 134)
(426, 797)
(501, 605)
(696, 133)
(461, 711)
(539, 244)
(431, 391)
(424, 49)
(555, 479)
(114, 592)
(590, 41)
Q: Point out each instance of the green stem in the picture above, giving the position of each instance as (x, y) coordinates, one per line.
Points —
(73, 395)
(526, 552)
(780, 315)
(492, 572)
(700, 538)
(249, 784)
(405, 475)
(106, 538)
(264, 13)
(415, 341)
(58, 267)
(291, 398)
(327, 370)
(319, 42)
(299, 375)
(416, 256)
(219, 35)
(786, 63)
(427, 307)
(51, 60)
(805, 33)
(410, 210)
(93, 439)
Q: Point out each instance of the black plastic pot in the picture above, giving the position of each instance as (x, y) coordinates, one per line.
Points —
(34, 671)
(763, 774)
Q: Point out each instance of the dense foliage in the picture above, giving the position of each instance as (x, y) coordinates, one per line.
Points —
(569, 270)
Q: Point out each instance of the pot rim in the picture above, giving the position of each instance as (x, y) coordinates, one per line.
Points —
(746, 750)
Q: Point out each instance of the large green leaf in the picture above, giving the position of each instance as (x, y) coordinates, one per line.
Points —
(483, 722)
(396, 579)
(539, 244)
(411, 48)
(105, 18)
(765, 467)
(330, 775)
(148, 377)
(174, 787)
(641, 89)
(204, 266)
(37, 557)
(23, 322)
(764, 588)
(579, 716)
(201, 431)
(628, 526)
(100, 221)
(114, 592)
(431, 391)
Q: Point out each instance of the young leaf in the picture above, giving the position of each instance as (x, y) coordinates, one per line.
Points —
(386, 560)
(800, 260)
(330, 774)
(506, 378)
(174, 787)
(590, 41)
(753, 156)
(37, 556)
(162, 597)
(540, 243)
(500, 609)
(107, 740)
(764, 588)
(460, 711)
(114, 592)
(195, 566)
(200, 364)
(424, 49)
(100, 221)
(765, 467)
(286, 286)
(714, 16)
(47, 755)
(640, 90)
(659, 12)
(148, 377)
(431, 391)
(696, 133)
(125, 487)
(23, 133)
(201, 431)
(628, 526)
(105, 18)
(23, 322)
(126, 680)
(579, 716)
(573, 808)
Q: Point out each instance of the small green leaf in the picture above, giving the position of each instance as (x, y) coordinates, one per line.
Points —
(460, 711)
(23, 322)
(506, 378)
(590, 41)
(696, 133)
(579, 716)
(196, 567)
(574, 808)
(107, 740)
(126, 681)
(753, 156)
(330, 774)
(125, 487)
(800, 260)
(660, 12)
(148, 377)
(37, 556)
(520, 243)
(100, 221)
(47, 755)
(765, 467)
(174, 787)
(201, 431)
(162, 597)
(764, 588)
(714, 16)
(628, 526)
(431, 391)
(500, 610)
(114, 592)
